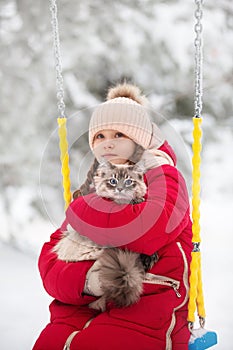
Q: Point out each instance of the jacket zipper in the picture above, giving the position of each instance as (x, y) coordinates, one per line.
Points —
(186, 284)
(164, 281)
(73, 334)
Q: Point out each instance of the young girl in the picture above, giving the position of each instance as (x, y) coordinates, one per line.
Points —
(121, 131)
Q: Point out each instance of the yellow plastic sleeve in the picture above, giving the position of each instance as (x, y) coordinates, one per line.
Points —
(200, 294)
(196, 162)
(196, 297)
(64, 158)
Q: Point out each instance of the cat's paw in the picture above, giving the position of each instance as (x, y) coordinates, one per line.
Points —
(137, 200)
(148, 261)
(99, 304)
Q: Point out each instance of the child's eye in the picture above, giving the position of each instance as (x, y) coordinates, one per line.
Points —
(119, 134)
(99, 136)
(128, 182)
(113, 181)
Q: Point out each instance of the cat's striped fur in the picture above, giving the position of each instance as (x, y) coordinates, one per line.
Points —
(121, 183)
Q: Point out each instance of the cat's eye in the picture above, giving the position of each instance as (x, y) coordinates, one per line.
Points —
(113, 181)
(128, 182)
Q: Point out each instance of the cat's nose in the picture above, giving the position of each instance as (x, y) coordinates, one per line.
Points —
(119, 189)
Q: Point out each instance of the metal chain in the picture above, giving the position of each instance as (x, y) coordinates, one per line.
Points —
(57, 57)
(198, 59)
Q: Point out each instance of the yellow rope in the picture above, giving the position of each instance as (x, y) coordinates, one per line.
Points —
(64, 157)
(196, 297)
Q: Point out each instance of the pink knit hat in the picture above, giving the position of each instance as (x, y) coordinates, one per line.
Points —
(125, 112)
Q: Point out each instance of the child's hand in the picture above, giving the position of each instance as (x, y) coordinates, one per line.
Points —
(93, 284)
(148, 160)
(154, 158)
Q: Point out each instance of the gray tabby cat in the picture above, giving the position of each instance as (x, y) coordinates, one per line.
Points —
(123, 184)
(121, 272)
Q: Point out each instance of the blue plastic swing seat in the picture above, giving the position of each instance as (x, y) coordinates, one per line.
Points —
(202, 339)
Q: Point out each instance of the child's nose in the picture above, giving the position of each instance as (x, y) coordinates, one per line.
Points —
(108, 145)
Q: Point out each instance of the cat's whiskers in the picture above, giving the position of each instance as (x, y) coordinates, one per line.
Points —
(122, 184)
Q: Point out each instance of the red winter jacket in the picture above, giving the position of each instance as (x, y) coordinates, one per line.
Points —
(161, 223)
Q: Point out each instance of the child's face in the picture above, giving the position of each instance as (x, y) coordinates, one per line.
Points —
(114, 146)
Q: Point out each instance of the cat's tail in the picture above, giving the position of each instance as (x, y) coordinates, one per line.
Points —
(121, 276)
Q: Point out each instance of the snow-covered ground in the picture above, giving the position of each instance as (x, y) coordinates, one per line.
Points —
(23, 302)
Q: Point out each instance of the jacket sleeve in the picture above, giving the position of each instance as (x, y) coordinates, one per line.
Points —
(63, 281)
(144, 227)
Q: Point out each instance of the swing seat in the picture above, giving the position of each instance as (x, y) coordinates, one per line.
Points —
(202, 339)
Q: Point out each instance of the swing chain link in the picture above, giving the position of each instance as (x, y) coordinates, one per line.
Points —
(196, 247)
(190, 326)
(202, 322)
(198, 58)
(57, 56)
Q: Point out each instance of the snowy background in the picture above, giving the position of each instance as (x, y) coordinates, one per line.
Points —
(147, 42)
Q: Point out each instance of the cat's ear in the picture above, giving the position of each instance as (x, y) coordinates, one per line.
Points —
(140, 167)
(103, 163)
(100, 168)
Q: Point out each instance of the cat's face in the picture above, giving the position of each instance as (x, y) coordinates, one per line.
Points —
(120, 183)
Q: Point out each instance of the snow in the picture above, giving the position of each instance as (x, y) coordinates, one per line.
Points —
(23, 303)
(197, 333)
